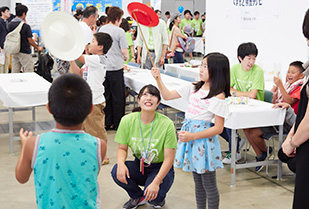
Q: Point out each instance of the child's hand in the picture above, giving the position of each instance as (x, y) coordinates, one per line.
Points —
(185, 136)
(274, 90)
(24, 136)
(277, 81)
(155, 72)
(282, 105)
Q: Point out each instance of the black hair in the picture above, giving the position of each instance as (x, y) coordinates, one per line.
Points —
(246, 49)
(187, 11)
(20, 10)
(103, 19)
(90, 10)
(3, 9)
(167, 13)
(151, 90)
(299, 65)
(196, 13)
(219, 75)
(125, 25)
(70, 100)
(105, 40)
(78, 14)
(306, 25)
(106, 10)
(157, 10)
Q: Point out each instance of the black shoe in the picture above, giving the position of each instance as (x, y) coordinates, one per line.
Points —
(262, 158)
(134, 203)
(158, 205)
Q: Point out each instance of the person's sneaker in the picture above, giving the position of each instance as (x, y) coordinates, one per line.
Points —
(228, 157)
(158, 205)
(262, 158)
(134, 203)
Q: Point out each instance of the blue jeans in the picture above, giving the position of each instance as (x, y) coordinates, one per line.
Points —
(227, 135)
(137, 179)
(178, 58)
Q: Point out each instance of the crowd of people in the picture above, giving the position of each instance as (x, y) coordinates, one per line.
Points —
(91, 100)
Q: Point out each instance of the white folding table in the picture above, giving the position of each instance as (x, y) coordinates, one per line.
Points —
(181, 70)
(20, 90)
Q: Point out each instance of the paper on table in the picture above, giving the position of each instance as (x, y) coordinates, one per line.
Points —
(2, 57)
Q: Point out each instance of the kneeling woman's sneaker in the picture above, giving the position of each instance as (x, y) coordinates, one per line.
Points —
(134, 203)
(158, 205)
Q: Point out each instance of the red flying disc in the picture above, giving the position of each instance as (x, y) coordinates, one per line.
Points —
(144, 14)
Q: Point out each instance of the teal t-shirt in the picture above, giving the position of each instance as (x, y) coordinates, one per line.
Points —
(130, 43)
(185, 22)
(245, 81)
(197, 23)
(163, 135)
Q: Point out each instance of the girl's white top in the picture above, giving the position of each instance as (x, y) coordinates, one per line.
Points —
(202, 109)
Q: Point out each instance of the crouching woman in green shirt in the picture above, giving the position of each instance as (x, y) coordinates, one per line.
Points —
(152, 139)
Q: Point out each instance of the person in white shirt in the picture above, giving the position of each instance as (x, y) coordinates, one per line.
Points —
(90, 17)
(93, 72)
(157, 41)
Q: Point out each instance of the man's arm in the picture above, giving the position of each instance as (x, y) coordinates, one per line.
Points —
(251, 94)
(32, 43)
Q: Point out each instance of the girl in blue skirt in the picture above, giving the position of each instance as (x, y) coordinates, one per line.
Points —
(198, 147)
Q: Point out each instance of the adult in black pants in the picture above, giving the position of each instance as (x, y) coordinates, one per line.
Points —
(297, 143)
(114, 81)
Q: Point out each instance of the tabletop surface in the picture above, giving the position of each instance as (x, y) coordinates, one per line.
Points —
(23, 89)
(254, 114)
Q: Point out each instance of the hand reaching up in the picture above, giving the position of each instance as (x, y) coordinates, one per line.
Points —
(155, 72)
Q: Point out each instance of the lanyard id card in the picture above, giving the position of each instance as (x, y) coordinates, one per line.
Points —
(147, 160)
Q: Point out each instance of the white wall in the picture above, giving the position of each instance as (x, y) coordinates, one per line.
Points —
(278, 33)
(125, 4)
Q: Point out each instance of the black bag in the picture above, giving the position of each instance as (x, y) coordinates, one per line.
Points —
(44, 65)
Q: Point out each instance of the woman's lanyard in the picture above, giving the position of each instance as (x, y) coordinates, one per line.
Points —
(146, 151)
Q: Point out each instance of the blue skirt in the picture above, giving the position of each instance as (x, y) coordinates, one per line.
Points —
(199, 155)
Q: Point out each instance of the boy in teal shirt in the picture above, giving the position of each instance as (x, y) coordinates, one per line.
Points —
(65, 161)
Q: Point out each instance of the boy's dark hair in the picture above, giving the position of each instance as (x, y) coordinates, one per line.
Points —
(105, 40)
(246, 49)
(125, 25)
(90, 10)
(3, 9)
(157, 10)
(219, 75)
(167, 13)
(102, 19)
(306, 25)
(196, 13)
(20, 10)
(299, 65)
(187, 11)
(70, 100)
(114, 14)
(151, 90)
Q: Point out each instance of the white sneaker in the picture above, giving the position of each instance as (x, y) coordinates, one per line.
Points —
(227, 159)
